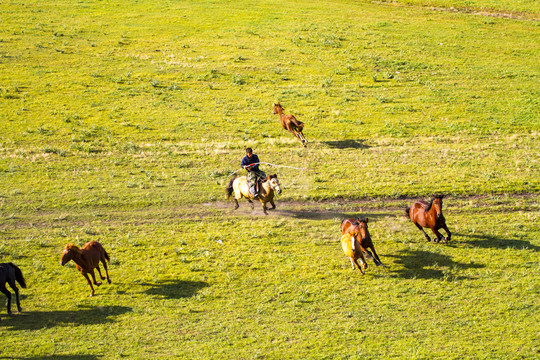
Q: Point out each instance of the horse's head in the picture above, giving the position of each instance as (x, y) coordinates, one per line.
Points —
(274, 183)
(277, 107)
(362, 227)
(359, 229)
(436, 203)
(67, 254)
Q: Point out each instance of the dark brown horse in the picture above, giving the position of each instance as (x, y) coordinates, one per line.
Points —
(87, 259)
(10, 273)
(429, 215)
(290, 124)
(358, 228)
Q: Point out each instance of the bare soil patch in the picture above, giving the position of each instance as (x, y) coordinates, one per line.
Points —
(303, 210)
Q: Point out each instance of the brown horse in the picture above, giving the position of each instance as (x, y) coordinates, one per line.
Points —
(351, 248)
(360, 241)
(290, 124)
(239, 186)
(87, 259)
(429, 215)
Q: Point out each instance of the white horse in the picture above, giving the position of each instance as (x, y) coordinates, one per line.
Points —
(239, 185)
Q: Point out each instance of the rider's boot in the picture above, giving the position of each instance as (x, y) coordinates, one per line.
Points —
(254, 192)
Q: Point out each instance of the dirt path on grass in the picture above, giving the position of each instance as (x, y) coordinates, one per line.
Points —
(516, 15)
(222, 210)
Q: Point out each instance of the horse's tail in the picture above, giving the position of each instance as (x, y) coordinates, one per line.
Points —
(230, 187)
(408, 212)
(18, 275)
(297, 124)
(106, 255)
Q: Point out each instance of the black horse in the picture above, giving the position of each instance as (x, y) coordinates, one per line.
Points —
(9, 272)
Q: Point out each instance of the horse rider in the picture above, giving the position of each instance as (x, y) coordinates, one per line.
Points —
(250, 162)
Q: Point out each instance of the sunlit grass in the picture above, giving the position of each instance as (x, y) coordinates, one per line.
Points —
(122, 122)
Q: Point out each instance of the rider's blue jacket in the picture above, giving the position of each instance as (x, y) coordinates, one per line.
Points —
(247, 161)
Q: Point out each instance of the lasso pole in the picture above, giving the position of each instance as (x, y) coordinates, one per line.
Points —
(290, 167)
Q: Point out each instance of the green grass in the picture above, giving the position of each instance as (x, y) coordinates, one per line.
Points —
(122, 121)
(197, 283)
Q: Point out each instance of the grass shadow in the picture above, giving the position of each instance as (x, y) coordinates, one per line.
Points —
(347, 144)
(317, 214)
(36, 320)
(428, 265)
(485, 241)
(175, 289)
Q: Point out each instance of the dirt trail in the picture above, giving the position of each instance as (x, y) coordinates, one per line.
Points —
(464, 10)
(306, 210)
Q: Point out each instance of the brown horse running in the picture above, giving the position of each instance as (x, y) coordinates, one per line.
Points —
(239, 186)
(87, 259)
(361, 241)
(290, 124)
(351, 248)
(429, 215)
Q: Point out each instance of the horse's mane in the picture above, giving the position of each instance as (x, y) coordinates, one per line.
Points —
(440, 197)
(72, 246)
(355, 222)
(428, 207)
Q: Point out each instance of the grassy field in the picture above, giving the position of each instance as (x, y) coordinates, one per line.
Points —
(121, 122)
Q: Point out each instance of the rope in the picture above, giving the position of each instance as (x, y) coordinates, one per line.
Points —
(290, 167)
(265, 163)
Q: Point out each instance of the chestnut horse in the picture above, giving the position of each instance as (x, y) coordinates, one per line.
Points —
(87, 259)
(351, 248)
(429, 215)
(239, 185)
(10, 273)
(290, 124)
(360, 242)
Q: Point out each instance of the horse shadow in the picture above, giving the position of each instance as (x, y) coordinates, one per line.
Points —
(175, 289)
(486, 241)
(418, 264)
(54, 357)
(318, 214)
(347, 144)
(36, 320)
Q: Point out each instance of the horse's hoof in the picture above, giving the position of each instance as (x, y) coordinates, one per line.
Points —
(20, 309)
(109, 281)
(98, 283)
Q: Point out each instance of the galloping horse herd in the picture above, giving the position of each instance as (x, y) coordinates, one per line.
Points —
(356, 241)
